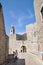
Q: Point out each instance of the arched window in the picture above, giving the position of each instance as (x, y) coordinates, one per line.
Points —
(23, 49)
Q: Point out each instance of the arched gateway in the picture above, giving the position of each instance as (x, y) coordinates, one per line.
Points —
(23, 49)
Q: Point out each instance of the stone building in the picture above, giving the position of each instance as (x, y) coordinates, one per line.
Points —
(23, 43)
(39, 20)
(32, 40)
(16, 41)
(3, 39)
(29, 42)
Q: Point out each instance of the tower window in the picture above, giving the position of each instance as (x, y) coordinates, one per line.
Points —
(11, 30)
(34, 34)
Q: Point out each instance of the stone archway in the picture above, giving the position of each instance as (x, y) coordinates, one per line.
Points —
(23, 49)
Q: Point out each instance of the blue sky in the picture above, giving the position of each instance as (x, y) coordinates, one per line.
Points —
(18, 13)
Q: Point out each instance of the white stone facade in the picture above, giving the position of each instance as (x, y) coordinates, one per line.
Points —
(34, 33)
(30, 44)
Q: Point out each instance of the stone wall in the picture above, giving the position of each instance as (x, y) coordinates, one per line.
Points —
(39, 20)
(2, 38)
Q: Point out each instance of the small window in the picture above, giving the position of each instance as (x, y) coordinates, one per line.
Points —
(34, 34)
(11, 30)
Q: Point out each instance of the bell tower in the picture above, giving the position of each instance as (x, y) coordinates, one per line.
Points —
(12, 30)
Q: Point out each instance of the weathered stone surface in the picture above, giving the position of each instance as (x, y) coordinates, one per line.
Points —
(31, 42)
(3, 43)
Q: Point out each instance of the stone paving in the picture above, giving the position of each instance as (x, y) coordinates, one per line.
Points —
(31, 59)
(26, 59)
(17, 62)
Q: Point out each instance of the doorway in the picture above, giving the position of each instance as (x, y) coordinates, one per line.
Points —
(23, 49)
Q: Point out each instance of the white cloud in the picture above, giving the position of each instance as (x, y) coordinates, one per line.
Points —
(12, 14)
(20, 19)
(21, 33)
